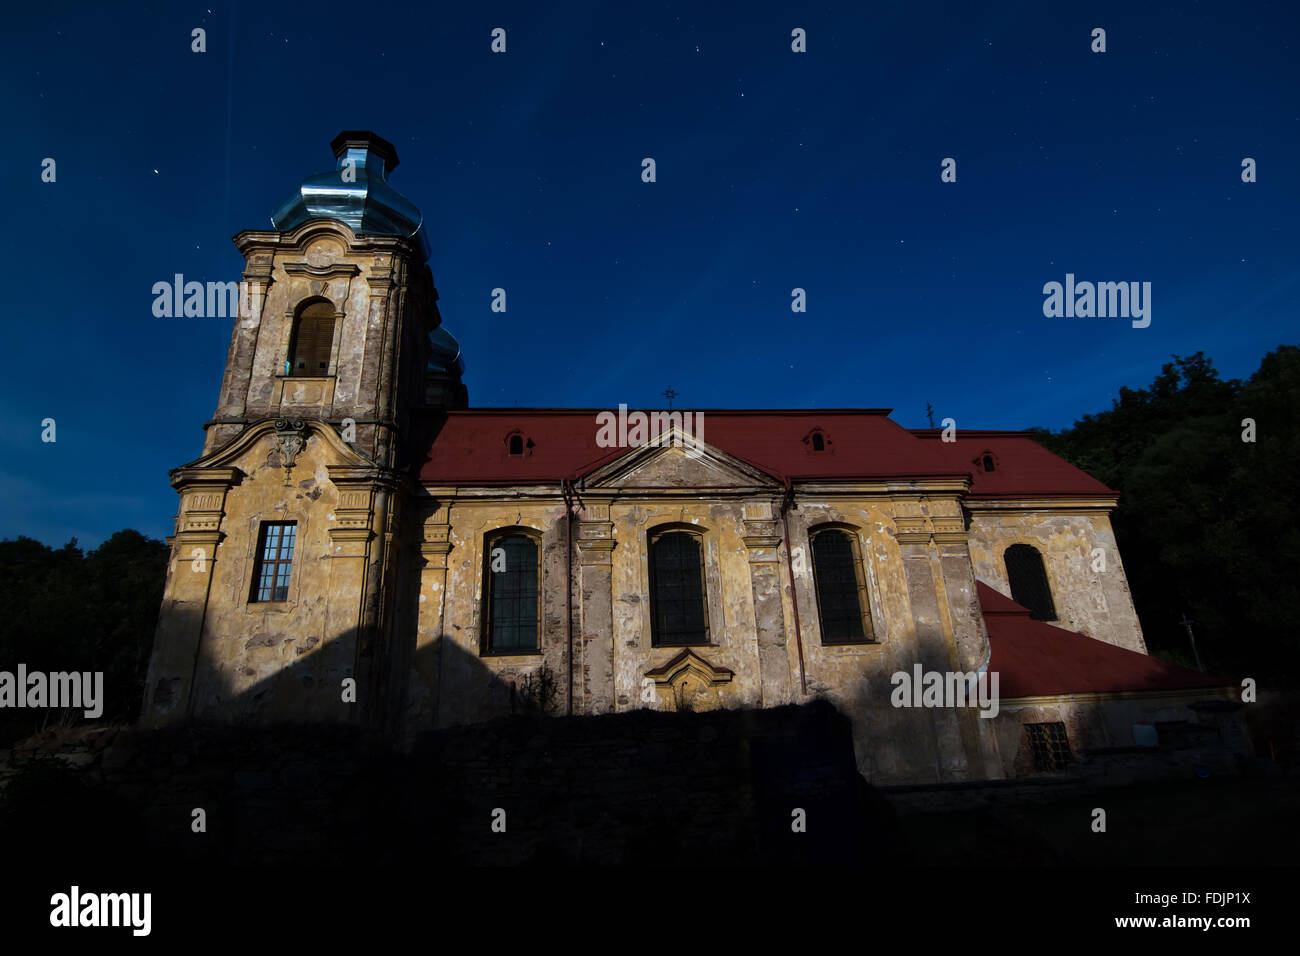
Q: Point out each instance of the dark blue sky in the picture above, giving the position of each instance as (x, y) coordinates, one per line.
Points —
(775, 170)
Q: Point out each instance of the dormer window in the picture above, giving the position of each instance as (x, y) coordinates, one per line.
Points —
(518, 445)
(816, 441)
(988, 463)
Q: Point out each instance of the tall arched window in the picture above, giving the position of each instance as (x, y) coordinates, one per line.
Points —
(1028, 579)
(313, 340)
(841, 585)
(512, 624)
(678, 613)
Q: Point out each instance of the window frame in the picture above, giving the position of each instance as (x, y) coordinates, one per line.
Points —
(653, 536)
(1025, 547)
(1047, 753)
(260, 562)
(295, 330)
(490, 539)
(863, 589)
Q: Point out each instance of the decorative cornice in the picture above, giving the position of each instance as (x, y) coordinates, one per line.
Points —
(1069, 505)
(186, 476)
(335, 270)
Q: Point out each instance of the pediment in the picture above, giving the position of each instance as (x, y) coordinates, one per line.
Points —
(305, 430)
(689, 682)
(689, 663)
(678, 462)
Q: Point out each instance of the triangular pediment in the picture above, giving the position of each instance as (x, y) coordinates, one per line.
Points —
(678, 462)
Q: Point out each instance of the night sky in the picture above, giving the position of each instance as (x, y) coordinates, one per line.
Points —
(775, 170)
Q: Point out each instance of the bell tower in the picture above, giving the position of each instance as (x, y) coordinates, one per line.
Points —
(281, 584)
(341, 304)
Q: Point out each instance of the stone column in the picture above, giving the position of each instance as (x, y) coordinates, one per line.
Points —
(239, 358)
(921, 567)
(595, 652)
(173, 667)
(966, 621)
(425, 697)
(352, 539)
(763, 543)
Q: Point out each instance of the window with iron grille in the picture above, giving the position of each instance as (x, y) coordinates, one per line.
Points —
(840, 583)
(274, 561)
(510, 589)
(313, 340)
(678, 614)
(1049, 746)
(1028, 579)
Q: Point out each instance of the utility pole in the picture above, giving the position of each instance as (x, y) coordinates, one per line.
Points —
(1192, 637)
(669, 394)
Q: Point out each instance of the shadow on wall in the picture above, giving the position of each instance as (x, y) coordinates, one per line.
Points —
(642, 787)
(279, 678)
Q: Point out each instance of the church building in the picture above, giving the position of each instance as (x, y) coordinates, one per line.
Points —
(357, 543)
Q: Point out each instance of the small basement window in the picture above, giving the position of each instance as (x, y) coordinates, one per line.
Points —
(1048, 746)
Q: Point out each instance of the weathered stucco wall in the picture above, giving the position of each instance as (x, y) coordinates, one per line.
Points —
(1093, 722)
(312, 634)
(1092, 602)
(922, 609)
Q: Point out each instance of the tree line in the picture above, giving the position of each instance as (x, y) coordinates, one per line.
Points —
(1208, 523)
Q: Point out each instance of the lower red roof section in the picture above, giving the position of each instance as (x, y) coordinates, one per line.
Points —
(1036, 659)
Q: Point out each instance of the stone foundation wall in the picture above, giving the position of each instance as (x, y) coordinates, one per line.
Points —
(642, 788)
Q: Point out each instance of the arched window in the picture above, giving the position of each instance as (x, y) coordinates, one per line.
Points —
(678, 613)
(840, 581)
(818, 442)
(988, 463)
(313, 340)
(516, 444)
(1028, 579)
(512, 623)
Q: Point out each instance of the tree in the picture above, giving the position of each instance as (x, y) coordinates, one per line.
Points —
(1207, 523)
(65, 610)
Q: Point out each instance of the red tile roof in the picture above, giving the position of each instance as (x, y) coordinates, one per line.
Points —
(1036, 659)
(861, 444)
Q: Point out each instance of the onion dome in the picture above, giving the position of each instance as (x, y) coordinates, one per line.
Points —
(444, 354)
(356, 192)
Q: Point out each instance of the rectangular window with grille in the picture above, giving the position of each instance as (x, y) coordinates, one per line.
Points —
(840, 584)
(1049, 746)
(513, 621)
(274, 561)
